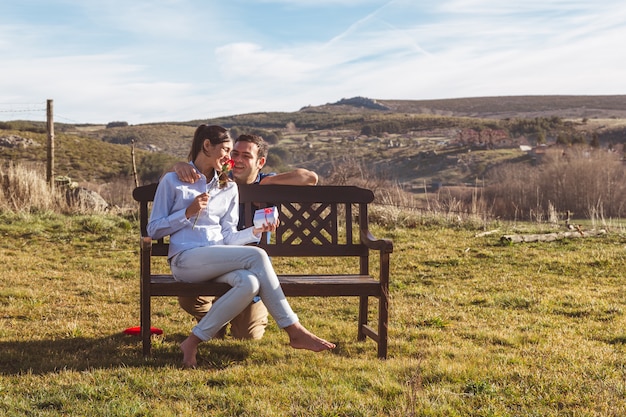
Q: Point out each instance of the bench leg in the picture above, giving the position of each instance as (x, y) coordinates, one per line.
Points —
(145, 324)
(363, 307)
(383, 322)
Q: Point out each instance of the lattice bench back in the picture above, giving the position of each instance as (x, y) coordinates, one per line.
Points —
(314, 221)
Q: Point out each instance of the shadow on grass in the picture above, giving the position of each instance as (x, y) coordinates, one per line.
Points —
(118, 350)
(619, 340)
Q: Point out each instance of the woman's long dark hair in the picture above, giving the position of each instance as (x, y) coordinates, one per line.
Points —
(215, 134)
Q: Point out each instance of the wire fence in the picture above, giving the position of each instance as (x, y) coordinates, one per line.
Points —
(10, 111)
(36, 112)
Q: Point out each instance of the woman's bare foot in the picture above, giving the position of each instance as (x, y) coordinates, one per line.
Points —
(301, 338)
(190, 350)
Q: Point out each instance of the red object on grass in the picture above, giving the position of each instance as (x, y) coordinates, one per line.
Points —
(137, 330)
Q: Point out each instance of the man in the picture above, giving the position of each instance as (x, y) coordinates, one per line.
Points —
(249, 155)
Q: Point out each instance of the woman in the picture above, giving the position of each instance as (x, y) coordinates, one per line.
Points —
(201, 219)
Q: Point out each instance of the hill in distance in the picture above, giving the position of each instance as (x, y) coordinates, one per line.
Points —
(611, 106)
(412, 141)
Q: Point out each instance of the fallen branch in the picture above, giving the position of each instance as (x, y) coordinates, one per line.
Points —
(487, 233)
(550, 237)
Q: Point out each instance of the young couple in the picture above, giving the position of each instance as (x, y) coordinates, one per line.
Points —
(200, 213)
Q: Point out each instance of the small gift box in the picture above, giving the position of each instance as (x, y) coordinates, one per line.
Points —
(268, 215)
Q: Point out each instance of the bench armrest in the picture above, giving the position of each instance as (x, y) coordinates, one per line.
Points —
(382, 245)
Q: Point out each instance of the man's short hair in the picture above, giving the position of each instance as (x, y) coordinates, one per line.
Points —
(258, 141)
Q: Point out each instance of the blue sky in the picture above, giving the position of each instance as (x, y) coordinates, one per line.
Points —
(177, 60)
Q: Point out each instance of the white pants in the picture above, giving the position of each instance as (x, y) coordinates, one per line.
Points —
(247, 269)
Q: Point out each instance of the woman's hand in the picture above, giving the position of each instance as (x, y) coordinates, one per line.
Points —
(267, 227)
(197, 205)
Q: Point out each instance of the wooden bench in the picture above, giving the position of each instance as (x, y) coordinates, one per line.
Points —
(315, 221)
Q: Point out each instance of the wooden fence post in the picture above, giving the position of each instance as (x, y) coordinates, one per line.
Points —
(132, 155)
(50, 128)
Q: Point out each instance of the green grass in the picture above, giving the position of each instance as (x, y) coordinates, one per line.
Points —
(476, 329)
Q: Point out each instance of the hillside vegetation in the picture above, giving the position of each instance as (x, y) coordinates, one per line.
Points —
(420, 146)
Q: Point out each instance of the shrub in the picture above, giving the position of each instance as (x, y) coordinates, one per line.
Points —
(578, 179)
(116, 124)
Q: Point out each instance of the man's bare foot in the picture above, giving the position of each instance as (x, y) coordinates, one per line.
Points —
(301, 338)
(189, 347)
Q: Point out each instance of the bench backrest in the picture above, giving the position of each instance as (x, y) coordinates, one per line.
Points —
(314, 220)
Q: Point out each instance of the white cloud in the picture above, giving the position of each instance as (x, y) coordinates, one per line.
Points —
(324, 3)
(147, 19)
(95, 88)
(251, 61)
(184, 59)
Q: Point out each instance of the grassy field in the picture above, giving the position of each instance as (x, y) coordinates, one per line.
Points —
(477, 328)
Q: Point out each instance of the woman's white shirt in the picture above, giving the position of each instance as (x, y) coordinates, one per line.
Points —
(216, 224)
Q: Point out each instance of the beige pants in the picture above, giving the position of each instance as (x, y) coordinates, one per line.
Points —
(249, 324)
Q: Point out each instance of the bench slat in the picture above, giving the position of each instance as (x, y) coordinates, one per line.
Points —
(293, 250)
(292, 285)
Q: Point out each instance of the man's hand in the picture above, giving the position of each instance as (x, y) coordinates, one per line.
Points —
(267, 227)
(186, 172)
(298, 176)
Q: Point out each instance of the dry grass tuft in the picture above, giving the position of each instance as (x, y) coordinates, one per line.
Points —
(24, 189)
